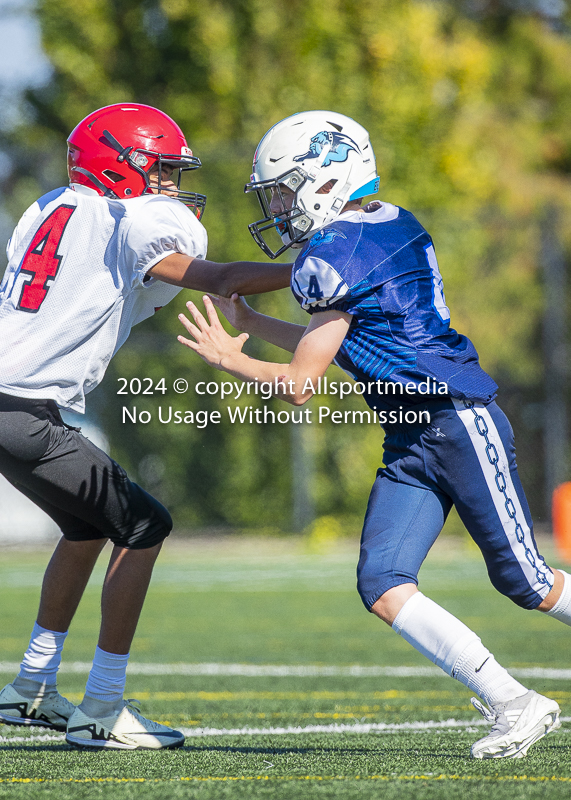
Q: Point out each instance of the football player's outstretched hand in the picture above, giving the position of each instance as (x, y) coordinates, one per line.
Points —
(209, 339)
(235, 309)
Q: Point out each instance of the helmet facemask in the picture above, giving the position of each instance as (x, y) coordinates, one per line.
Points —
(289, 220)
(143, 162)
(181, 165)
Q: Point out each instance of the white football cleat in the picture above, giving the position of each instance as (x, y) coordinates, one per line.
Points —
(517, 725)
(49, 710)
(125, 729)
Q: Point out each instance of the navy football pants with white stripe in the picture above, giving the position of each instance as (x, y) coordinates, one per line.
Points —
(464, 457)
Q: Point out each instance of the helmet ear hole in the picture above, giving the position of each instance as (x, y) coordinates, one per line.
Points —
(326, 188)
(113, 176)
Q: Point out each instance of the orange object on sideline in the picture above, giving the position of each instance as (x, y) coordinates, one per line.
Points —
(561, 515)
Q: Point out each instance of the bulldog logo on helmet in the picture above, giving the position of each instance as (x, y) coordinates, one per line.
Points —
(340, 147)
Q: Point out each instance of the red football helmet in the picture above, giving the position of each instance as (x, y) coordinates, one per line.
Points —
(113, 150)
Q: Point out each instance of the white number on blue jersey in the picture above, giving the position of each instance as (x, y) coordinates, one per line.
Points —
(318, 284)
(438, 300)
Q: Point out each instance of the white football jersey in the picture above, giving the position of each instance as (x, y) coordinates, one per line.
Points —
(74, 286)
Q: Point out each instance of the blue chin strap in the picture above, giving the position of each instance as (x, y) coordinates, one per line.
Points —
(369, 188)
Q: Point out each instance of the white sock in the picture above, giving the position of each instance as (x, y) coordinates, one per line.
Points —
(456, 649)
(107, 677)
(562, 608)
(42, 658)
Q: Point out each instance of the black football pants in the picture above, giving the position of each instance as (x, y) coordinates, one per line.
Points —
(86, 493)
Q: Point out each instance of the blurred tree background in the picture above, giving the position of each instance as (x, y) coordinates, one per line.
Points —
(469, 109)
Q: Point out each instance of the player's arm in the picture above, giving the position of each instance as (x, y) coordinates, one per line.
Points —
(286, 335)
(243, 277)
(315, 351)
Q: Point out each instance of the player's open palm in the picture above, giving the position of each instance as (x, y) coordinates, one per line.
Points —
(209, 339)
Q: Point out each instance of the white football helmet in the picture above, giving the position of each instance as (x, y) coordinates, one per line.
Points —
(303, 153)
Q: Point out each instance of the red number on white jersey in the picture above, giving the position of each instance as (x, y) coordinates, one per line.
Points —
(41, 260)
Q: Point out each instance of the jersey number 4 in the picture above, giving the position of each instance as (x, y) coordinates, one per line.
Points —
(41, 260)
(314, 289)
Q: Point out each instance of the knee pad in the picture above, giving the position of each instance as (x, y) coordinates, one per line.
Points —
(146, 525)
(373, 582)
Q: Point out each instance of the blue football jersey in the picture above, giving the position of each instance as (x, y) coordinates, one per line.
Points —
(380, 266)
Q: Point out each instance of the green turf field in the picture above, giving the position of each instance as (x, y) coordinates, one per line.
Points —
(220, 616)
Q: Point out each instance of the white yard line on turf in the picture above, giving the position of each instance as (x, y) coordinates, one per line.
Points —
(358, 727)
(293, 670)
(43, 737)
(371, 727)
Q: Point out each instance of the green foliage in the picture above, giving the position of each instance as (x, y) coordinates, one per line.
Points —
(469, 117)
